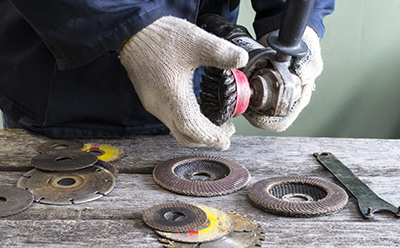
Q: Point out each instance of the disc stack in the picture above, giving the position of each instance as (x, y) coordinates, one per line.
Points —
(69, 172)
(186, 225)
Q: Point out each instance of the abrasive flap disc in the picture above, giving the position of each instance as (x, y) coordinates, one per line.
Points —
(201, 175)
(297, 196)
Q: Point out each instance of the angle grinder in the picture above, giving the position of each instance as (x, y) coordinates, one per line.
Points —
(268, 83)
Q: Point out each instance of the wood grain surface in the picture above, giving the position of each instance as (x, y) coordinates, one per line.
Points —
(115, 219)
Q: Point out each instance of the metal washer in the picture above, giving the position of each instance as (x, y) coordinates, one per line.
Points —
(69, 187)
(155, 217)
(58, 145)
(14, 200)
(234, 178)
(63, 160)
(272, 196)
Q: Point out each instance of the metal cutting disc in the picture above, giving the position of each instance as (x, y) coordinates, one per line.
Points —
(175, 217)
(297, 196)
(104, 152)
(107, 166)
(219, 225)
(68, 187)
(58, 145)
(14, 200)
(201, 175)
(63, 160)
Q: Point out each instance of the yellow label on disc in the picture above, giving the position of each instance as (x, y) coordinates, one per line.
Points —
(106, 152)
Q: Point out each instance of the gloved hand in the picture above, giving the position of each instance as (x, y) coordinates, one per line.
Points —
(308, 68)
(160, 60)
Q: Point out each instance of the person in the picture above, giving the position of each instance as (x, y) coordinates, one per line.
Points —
(61, 74)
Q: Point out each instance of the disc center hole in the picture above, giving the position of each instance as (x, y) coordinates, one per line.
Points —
(60, 146)
(96, 152)
(2, 199)
(297, 197)
(174, 216)
(63, 159)
(203, 175)
(66, 182)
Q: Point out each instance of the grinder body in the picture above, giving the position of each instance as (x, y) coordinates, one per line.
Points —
(269, 82)
(274, 88)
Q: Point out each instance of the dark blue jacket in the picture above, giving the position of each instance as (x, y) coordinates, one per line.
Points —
(60, 75)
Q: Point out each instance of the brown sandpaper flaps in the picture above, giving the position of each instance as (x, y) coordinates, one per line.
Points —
(201, 175)
(317, 197)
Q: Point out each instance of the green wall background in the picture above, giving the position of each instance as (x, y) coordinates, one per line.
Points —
(357, 94)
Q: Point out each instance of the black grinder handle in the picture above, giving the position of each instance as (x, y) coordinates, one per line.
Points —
(288, 42)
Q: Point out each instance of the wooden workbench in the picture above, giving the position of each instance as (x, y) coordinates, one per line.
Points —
(115, 220)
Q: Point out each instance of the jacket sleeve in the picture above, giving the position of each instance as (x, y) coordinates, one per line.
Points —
(78, 32)
(269, 14)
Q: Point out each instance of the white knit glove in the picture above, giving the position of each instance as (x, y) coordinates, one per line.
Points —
(160, 60)
(308, 68)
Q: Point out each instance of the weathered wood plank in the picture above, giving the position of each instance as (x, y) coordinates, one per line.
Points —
(120, 214)
(366, 157)
(115, 220)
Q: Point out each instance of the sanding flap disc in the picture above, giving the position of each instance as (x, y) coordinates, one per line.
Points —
(297, 196)
(104, 152)
(68, 187)
(218, 225)
(14, 200)
(201, 175)
(63, 160)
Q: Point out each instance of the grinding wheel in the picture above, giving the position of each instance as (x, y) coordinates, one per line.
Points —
(201, 175)
(63, 160)
(58, 145)
(14, 200)
(297, 196)
(175, 217)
